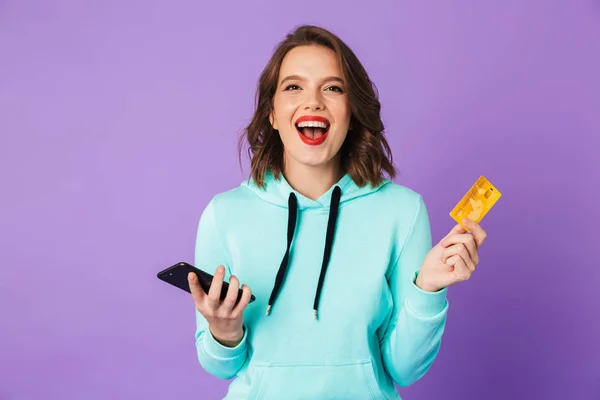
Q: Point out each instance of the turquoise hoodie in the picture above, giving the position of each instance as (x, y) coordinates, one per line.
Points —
(346, 319)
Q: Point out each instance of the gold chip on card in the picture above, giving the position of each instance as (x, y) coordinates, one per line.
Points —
(476, 203)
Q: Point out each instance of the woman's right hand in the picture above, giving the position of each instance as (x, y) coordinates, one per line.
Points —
(225, 318)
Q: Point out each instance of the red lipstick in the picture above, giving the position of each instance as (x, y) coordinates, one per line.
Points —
(316, 141)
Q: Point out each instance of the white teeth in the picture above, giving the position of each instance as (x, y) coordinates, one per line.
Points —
(312, 124)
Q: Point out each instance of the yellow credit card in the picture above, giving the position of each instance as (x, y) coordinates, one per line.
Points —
(476, 202)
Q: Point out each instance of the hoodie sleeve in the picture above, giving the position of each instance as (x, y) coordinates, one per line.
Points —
(413, 335)
(217, 359)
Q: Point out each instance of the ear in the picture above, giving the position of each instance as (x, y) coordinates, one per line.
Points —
(272, 119)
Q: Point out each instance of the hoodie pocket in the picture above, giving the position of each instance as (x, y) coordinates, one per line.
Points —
(331, 380)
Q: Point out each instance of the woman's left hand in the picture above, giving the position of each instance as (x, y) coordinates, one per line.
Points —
(453, 259)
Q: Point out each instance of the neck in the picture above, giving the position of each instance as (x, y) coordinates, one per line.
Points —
(312, 181)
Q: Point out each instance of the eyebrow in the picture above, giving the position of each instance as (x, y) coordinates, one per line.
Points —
(300, 78)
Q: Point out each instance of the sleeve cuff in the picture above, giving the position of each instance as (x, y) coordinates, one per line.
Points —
(426, 304)
(217, 350)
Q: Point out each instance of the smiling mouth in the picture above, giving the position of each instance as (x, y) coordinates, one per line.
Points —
(313, 130)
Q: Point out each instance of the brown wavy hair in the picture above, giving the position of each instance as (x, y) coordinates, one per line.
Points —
(365, 153)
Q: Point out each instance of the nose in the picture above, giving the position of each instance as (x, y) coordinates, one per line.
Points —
(314, 101)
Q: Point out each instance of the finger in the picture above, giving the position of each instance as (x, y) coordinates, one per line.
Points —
(460, 250)
(195, 289)
(232, 293)
(464, 239)
(466, 258)
(456, 229)
(214, 292)
(461, 271)
(239, 308)
(478, 232)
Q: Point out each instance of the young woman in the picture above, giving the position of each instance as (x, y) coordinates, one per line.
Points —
(350, 294)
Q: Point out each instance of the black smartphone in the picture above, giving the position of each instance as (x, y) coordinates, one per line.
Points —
(177, 275)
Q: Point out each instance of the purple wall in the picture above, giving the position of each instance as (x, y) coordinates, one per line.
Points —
(119, 121)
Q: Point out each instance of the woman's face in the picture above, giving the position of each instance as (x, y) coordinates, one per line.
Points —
(311, 109)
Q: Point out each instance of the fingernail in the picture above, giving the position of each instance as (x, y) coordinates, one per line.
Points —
(221, 269)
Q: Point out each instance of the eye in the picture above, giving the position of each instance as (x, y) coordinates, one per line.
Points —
(335, 89)
(292, 87)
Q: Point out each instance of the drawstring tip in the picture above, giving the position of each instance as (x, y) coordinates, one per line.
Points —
(268, 309)
(315, 315)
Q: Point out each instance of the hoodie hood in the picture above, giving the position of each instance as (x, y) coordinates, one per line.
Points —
(279, 193)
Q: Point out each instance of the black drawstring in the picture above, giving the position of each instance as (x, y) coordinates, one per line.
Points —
(292, 211)
(331, 222)
(333, 212)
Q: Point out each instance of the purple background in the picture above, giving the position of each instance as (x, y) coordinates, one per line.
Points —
(119, 121)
